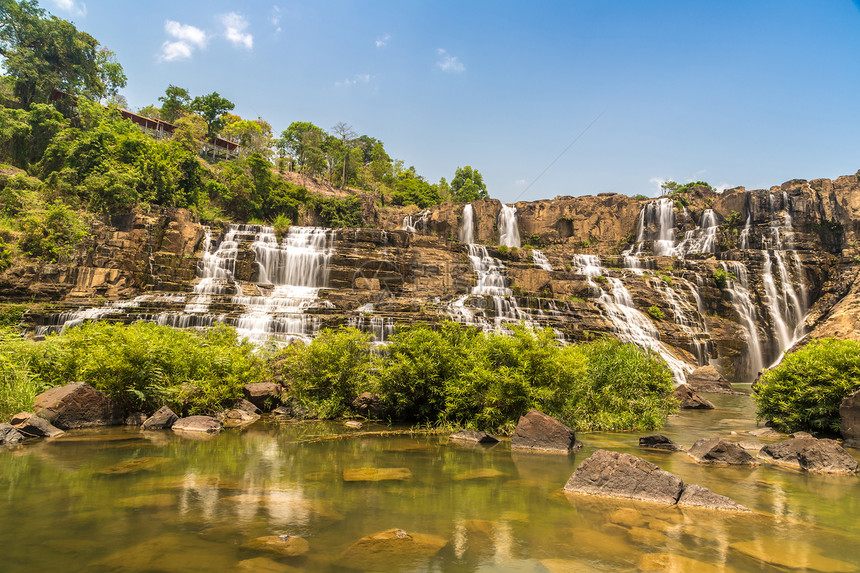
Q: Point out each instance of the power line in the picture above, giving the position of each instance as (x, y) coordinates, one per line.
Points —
(587, 127)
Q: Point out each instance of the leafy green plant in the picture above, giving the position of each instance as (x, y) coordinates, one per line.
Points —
(666, 279)
(600, 279)
(19, 384)
(503, 251)
(721, 277)
(656, 312)
(53, 234)
(804, 392)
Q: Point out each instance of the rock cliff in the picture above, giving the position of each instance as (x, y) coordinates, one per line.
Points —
(730, 279)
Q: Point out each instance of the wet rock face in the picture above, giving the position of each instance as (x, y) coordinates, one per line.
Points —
(809, 454)
(541, 433)
(77, 405)
(719, 451)
(849, 413)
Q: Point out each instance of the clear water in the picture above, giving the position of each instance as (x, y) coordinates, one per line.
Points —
(496, 510)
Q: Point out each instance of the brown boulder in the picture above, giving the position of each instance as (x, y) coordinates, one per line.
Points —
(473, 437)
(280, 545)
(390, 550)
(613, 474)
(368, 405)
(162, 419)
(204, 424)
(709, 379)
(809, 454)
(10, 435)
(719, 451)
(34, 426)
(690, 400)
(849, 413)
(538, 432)
(659, 442)
(263, 395)
(698, 496)
(77, 405)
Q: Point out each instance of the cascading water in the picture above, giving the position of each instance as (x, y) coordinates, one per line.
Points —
(296, 268)
(411, 223)
(540, 260)
(689, 319)
(628, 323)
(737, 285)
(467, 225)
(509, 233)
(702, 239)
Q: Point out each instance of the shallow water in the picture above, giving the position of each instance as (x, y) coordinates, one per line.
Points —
(74, 504)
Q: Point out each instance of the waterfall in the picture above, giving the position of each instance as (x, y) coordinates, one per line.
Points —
(381, 328)
(411, 224)
(702, 239)
(296, 268)
(509, 233)
(689, 319)
(540, 260)
(738, 288)
(745, 232)
(662, 214)
(467, 225)
(628, 324)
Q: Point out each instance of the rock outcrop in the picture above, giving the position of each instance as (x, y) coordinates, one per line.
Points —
(77, 405)
(849, 415)
(541, 433)
(162, 419)
(809, 454)
(263, 395)
(690, 400)
(719, 451)
(624, 476)
(709, 379)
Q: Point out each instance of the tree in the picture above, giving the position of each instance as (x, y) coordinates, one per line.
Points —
(303, 140)
(212, 107)
(174, 103)
(347, 137)
(468, 185)
(253, 136)
(44, 52)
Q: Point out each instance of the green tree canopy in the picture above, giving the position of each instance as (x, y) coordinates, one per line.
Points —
(303, 140)
(42, 52)
(212, 107)
(175, 103)
(468, 185)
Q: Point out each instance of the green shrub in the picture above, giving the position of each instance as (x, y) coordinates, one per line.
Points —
(6, 255)
(666, 279)
(656, 312)
(281, 225)
(805, 390)
(503, 251)
(19, 384)
(600, 279)
(329, 373)
(640, 197)
(145, 365)
(53, 234)
(721, 277)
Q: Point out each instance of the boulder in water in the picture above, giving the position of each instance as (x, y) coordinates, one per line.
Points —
(376, 474)
(809, 454)
(709, 379)
(246, 406)
(162, 419)
(538, 432)
(281, 545)
(201, 424)
(389, 550)
(34, 426)
(790, 554)
(698, 496)
(659, 442)
(690, 400)
(237, 418)
(719, 451)
(9, 435)
(613, 474)
(77, 405)
(765, 432)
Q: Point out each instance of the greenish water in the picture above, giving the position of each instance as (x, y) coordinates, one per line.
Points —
(66, 504)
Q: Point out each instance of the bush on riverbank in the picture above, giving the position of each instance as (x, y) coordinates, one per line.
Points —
(18, 384)
(457, 375)
(805, 390)
(145, 365)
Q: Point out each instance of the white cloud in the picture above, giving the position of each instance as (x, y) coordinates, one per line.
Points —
(187, 39)
(71, 7)
(449, 63)
(658, 181)
(382, 41)
(234, 30)
(275, 18)
(358, 79)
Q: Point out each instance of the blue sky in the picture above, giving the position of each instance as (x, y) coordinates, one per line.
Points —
(730, 92)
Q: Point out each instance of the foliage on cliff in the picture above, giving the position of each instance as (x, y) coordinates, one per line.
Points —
(805, 390)
(460, 376)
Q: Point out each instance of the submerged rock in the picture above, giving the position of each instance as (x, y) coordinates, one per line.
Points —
(659, 442)
(483, 473)
(201, 424)
(281, 545)
(765, 432)
(391, 549)
(263, 565)
(719, 451)
(672, 563)
(690, 400)
(77, 405)
(162, 419)
(376, 474)
(147, 464)
(10, 435)
(809, 454)
(237, 418)
(538, 432)
(791, 554)
(353, 424)
(849, 414)
(34, 426)
(474, 437)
